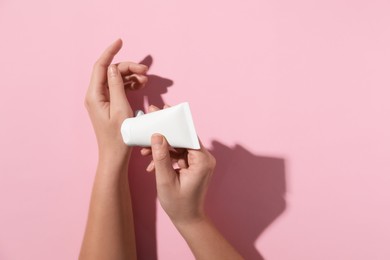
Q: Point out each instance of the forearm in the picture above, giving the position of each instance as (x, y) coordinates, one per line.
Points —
(110, 228)
(206, 242)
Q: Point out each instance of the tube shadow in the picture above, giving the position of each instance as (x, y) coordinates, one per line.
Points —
(143, 184)
(246, 194)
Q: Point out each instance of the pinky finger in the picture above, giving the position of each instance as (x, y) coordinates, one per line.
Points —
(146, 151)
(182, 163)
(150, 167)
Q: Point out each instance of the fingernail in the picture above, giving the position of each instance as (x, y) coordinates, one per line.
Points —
(157, 141)
(150, 166)
(153, 108)
(112, 70)
(133, 84)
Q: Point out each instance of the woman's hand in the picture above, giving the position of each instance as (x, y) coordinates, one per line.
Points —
(106, 99)
(110, 227)
(181, 191)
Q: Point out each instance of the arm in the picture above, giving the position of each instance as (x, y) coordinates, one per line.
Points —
(205, 240)
(109, 231)
(181, 193)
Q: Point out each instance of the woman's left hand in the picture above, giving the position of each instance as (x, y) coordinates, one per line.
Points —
(106, 99)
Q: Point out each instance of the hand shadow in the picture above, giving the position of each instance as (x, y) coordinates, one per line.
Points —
(152, 93)
(143, 184)
(246, 194)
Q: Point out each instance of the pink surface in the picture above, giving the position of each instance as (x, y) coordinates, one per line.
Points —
(291, 96)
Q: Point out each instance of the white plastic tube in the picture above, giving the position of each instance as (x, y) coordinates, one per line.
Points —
(175, 123)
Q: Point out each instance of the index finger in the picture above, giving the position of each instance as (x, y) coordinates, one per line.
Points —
(129, 68)
(199, 153)
(99, 73)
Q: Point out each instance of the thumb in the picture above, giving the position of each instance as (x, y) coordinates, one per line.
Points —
(118, 99)
(165, 174)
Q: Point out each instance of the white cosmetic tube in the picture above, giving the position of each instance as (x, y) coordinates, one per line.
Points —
(175, 123)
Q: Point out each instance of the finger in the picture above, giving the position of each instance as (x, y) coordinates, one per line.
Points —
(165, 174)
(135, 81)
(99, 73)
(175, 165)
(152, 108)
(146, 151)
(174, 155)
(198, 156)
(150, 167)
(128, 68)
(118, 99)
(178, 151)
(182, 163)
(131, 82)
(202, 148)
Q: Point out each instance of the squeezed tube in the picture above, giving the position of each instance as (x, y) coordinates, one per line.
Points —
(175, 123)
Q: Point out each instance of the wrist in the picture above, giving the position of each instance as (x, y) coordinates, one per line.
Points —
(113, 158)
(189, 223)
(195, 226)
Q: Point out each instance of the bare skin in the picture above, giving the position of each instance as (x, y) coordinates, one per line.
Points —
(181, 192)
(109, 231)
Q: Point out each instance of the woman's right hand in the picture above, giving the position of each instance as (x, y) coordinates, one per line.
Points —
(181, 191)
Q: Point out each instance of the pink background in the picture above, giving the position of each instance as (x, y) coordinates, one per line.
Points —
(292, 97)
